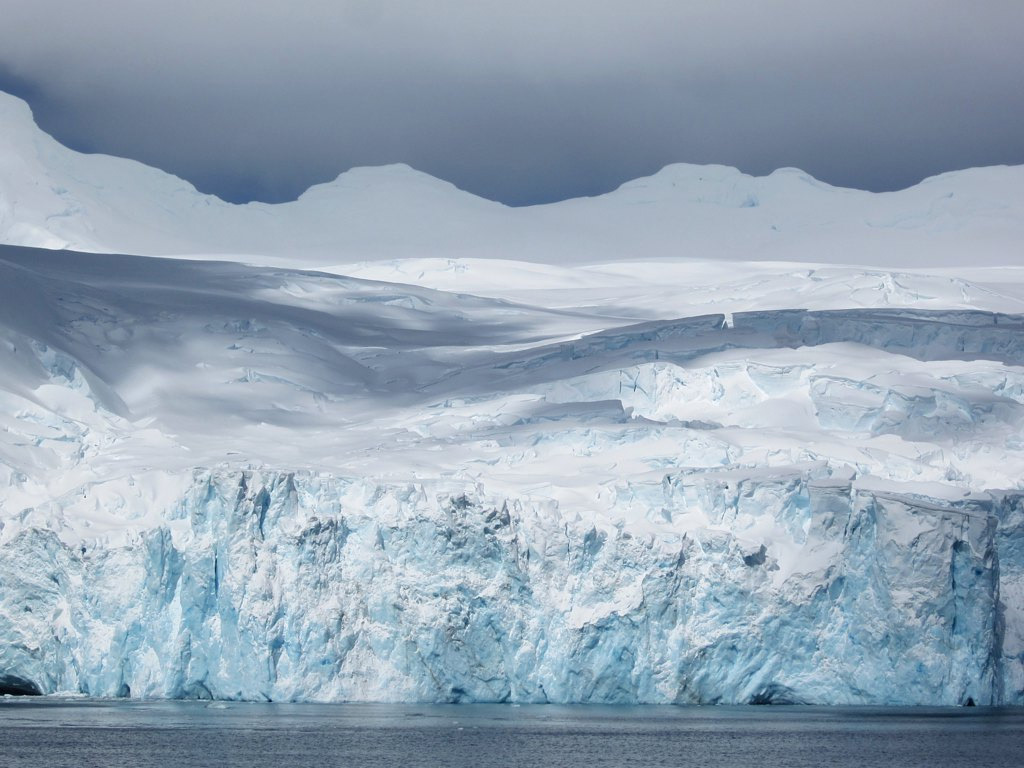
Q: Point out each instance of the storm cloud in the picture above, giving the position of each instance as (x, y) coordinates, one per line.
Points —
(523, 102)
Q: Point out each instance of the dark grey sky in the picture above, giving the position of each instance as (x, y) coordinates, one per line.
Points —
(526, 101)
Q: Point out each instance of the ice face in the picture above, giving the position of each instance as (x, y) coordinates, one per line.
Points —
(299, 587)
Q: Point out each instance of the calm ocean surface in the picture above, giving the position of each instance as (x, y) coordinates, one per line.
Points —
(106, 734)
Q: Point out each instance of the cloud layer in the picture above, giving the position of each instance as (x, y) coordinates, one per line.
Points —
(528, 101)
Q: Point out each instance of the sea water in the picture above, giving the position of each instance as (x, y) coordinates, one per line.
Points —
(108, 733)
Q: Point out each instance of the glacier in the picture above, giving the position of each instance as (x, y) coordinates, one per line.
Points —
(392, 442)
(220, 481)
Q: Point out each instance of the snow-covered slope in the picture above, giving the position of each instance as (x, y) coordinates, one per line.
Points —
(663, 289)
(231, 481)
(55, 198)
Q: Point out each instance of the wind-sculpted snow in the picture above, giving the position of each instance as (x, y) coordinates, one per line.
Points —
(237, 482)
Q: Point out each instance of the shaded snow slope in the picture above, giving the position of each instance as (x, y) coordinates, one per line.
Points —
(239, 482)
(53, 197)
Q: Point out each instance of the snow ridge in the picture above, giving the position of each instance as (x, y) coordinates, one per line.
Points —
(53, 197)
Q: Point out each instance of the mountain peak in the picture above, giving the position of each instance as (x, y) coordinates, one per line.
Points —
(13, 107)
(370, 177)
(17, 123)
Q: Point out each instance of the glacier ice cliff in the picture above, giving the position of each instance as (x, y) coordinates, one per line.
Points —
(304, 587)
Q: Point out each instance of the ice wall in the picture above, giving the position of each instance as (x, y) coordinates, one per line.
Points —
(785, 587)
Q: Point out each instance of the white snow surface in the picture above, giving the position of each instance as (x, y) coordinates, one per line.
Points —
(53, 197)
(383, 451)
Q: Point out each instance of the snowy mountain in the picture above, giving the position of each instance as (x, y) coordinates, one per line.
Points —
(53, 197)
(457, 478)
